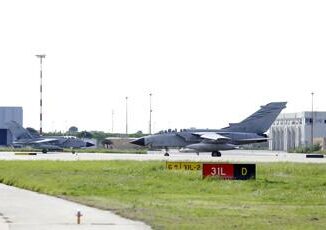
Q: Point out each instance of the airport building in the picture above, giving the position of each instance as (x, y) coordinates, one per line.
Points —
(9, 114)
(292, 130)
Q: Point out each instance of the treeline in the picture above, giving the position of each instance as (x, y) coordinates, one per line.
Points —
(73, 131)
(99, 135)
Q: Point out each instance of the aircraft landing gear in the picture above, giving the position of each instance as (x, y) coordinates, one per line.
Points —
(72, 150)
(166, 154)
(216, 154)
(44, 151)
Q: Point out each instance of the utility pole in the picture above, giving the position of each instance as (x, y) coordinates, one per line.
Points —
(312, 119)
(150, 113)
(41, 56)
(127, 116)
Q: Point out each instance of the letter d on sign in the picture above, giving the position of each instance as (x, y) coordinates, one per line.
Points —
(244, 171)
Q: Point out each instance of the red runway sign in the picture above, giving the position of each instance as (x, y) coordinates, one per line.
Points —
(230, 171)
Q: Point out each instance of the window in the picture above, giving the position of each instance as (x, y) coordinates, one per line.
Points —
(308, 120)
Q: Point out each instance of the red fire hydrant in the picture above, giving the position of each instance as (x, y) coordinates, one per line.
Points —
(79, 214)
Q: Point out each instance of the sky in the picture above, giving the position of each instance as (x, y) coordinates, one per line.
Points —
(206, 63)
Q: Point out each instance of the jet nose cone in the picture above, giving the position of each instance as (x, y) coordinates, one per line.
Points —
(89, 144)
(139, 141)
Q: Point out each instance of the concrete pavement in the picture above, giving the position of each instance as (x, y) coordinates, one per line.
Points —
(25, 210)
(227, 156)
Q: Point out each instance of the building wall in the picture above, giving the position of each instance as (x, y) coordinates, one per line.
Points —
(9, 114)
(5, 137)
(292, 130)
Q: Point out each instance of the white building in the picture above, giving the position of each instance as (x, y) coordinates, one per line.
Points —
(292, 130)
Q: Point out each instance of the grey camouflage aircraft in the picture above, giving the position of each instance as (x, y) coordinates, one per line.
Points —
(250, 130)
(23, 138)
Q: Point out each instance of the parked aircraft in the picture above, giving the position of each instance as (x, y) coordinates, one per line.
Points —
(250, 130)
(23, 138)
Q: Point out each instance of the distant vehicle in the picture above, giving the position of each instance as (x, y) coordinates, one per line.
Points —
(23, 138)
(250, 130)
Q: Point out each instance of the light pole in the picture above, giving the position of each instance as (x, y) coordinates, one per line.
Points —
(41, 56)
(112, 120)
(126, 115)
(150, 113)
(312, 118)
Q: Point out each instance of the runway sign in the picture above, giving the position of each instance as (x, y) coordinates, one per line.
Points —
(230, 171)
(183, 165)
(25, 153)
(314, 156)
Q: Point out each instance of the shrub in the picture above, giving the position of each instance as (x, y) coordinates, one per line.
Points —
(306, 149)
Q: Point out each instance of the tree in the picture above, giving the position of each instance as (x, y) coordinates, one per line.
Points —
(85, 134)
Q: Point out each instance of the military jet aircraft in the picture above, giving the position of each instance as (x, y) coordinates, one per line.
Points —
(250, 130)
(23, 138)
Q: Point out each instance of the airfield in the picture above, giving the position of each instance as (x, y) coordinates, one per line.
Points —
(254, 156)
(132, 185)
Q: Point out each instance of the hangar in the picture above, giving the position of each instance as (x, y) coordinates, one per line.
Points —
(292, 130)
(9, 114)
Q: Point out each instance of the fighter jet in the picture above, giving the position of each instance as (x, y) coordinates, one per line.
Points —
(23, 138)
(250, 130)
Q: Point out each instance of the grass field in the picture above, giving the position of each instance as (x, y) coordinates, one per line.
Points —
(284, 196)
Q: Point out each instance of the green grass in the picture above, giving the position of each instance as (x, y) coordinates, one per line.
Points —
(284, 196)
(9, 149)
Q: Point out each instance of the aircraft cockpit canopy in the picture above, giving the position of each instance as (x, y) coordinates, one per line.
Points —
(69, 137)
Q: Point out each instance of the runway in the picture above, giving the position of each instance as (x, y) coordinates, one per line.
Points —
(227, 156)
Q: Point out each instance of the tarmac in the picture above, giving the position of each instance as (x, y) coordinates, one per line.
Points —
(253, 156)
(25, 210)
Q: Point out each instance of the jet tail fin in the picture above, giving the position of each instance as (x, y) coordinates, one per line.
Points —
(260, 121)
(18, 131)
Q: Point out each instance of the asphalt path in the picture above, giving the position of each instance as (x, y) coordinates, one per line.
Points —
(25, 210)
(227, 156)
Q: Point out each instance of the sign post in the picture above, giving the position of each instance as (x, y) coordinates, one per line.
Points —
(192, 166)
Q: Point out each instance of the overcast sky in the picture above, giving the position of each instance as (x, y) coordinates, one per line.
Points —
(207, 63)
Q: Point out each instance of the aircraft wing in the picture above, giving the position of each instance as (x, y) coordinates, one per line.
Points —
(212, 136)
(257, 139)
(45, 140)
